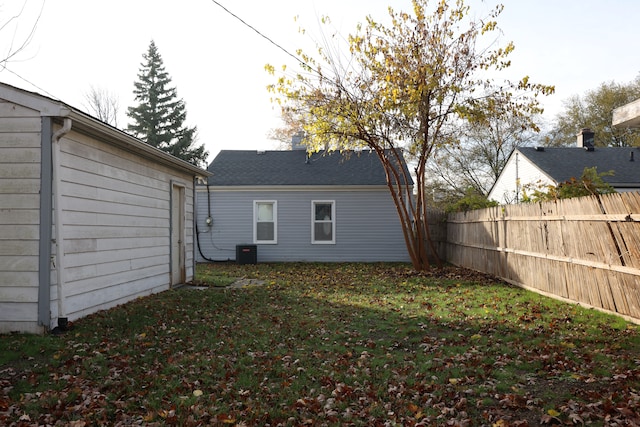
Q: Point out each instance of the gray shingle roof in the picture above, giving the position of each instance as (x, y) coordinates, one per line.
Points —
(564, 163)
(273, 168)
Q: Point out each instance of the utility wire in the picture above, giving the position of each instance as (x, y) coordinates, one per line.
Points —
(259, 33)
(4, 67)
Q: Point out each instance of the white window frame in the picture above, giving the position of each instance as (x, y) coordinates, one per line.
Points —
(275, 222)
(332, 222)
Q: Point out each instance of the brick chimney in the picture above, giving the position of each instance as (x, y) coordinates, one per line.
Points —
(296, 141)
(586, 139)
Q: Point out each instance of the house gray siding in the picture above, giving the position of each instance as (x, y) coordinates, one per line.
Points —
(366, 221)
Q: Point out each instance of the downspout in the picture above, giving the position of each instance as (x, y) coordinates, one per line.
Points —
(59, 236)
(194, 230)
(46, 222)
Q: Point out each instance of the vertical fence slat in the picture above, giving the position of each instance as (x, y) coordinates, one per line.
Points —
(584, 249)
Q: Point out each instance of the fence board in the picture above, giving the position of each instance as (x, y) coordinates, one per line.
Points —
(584, 249)
(631, 292)
(618, 294)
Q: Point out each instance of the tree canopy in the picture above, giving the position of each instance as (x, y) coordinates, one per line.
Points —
(159, 119)
(475, 163)
(404, 88)
(594, 110)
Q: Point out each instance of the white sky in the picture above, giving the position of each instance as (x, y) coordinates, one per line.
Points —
(217, 64)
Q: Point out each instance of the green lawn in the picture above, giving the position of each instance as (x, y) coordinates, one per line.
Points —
(329, 344)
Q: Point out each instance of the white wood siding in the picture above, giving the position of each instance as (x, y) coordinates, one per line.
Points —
(518, 168)
(367, 226)
(19, 217)
(116, 225)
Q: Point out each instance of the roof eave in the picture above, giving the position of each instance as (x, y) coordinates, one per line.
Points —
(83, 122)
(624, 184)
(262, 188)
(100, 130)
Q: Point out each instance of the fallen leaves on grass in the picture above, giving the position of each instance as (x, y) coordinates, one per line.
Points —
(341, 344)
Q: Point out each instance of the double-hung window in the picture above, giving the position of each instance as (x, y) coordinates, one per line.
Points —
(265, 221)
(323, 222)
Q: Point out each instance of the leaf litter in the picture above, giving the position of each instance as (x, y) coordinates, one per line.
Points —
(332, 344)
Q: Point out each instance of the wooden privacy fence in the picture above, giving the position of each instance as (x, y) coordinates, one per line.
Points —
(437, 222)
(585, 250)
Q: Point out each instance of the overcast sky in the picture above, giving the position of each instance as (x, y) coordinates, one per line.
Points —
(217, 63)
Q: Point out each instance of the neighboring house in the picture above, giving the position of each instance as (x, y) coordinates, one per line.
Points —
(90, 217)
(291, 206)
(627, 116)
(529, 168)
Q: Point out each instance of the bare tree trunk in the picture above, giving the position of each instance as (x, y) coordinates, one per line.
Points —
(412, 212)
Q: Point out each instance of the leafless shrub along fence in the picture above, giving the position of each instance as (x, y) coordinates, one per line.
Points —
(585, 250)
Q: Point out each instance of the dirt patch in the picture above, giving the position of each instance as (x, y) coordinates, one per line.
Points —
(242, 283)
(239, 283)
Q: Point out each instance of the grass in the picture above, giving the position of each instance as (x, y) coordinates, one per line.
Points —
(208, 275)
(329, 344)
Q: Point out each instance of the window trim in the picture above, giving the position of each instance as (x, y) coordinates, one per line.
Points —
(275, 222)
(333, 222)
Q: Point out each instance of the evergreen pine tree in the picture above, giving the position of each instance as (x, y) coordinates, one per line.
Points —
(159, 118)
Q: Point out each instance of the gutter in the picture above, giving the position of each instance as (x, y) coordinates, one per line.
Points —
(59, 235)
(327, 187)
(105, 132)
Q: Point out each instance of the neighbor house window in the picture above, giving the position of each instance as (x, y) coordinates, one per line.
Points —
(323, 229)
(265, 223)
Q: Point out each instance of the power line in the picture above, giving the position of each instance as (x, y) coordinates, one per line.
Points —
(5, 68)
(259, 33)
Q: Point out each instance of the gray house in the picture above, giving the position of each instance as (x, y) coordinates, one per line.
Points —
(90, 217)
(291, 206)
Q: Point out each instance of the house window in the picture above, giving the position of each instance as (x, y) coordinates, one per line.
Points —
(323, 222)
(265, 222)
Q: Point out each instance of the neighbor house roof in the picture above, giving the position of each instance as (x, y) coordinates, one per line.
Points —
(564, 163)
(296, 167)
